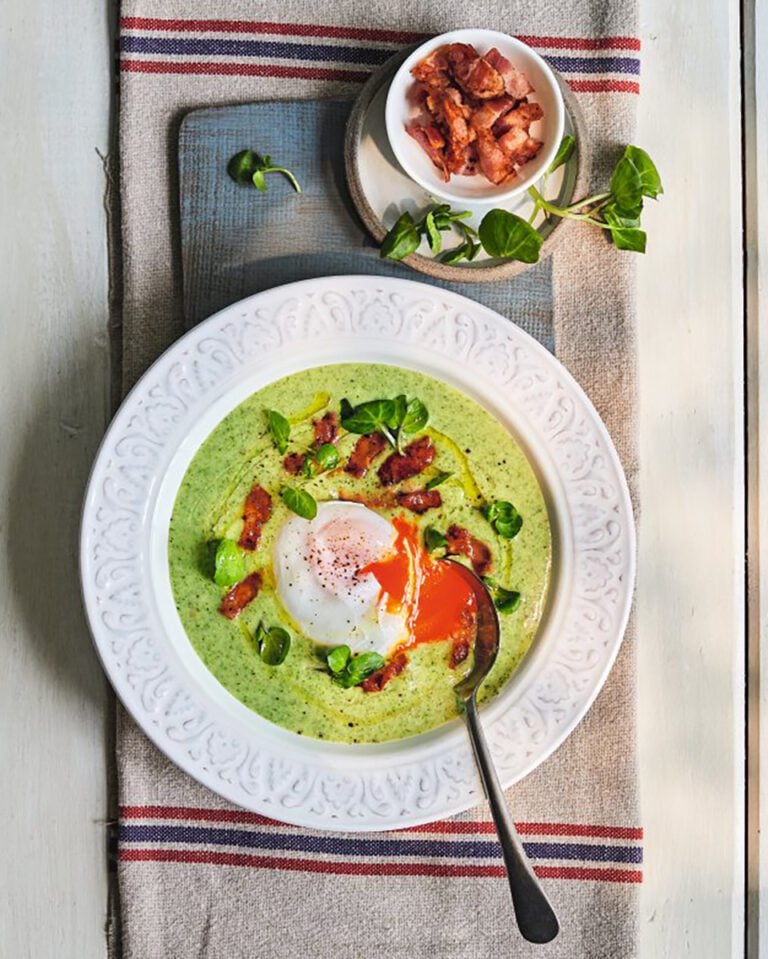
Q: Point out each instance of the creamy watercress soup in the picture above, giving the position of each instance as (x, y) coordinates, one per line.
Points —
(308, 546)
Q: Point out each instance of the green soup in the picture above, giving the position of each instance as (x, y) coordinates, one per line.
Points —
(485, 464)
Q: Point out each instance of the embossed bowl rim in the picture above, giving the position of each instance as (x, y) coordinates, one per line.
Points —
(151, 441)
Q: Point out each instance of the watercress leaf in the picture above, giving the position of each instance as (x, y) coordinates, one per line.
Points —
(337, 659)
(402, 240)
(228, 564)
(299, 501)
(258, 180)
(474, 249)
(434, 539)
(442, 221)
(455, 255)
(506, 235)
(627, 188)
(369, 417)
(274, 646)
(506, 600)
(564, 152)
(433, 234)
(360, 667)
(327, 456)
(400, 405)
(241, 166)
(504, 518)
(459, 214)
(650, 181)
(416, 417)
(279, 430)
(437, 480)
(625, 231)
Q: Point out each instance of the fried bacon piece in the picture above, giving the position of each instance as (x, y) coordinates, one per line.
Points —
(326, 429)
(432, 142)
(240, 595)
(367, 448)
(378, 680)
(256, 512)
(419, 500)
(515, 82)
(473, 73)
(432, 71)
(462, 639)
(494, 163)
(294, 463)
(471, 104)
(460, 542)
(401, 466)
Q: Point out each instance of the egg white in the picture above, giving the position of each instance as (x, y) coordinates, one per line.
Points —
(317, 564)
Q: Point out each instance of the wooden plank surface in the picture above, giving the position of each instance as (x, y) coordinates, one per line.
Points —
(691, 585)
(54, 102)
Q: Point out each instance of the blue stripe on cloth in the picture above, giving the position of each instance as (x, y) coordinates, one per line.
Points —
(595, 64)
(219, 47)
(434, 848)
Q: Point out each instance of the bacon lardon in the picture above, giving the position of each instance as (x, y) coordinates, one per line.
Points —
(378, 680)
(240, 595)
(419, 500)
(402, 466)
(367, 448)
(460, 542)
(256, 512)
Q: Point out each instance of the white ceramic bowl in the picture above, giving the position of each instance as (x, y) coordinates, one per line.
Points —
(476, 189)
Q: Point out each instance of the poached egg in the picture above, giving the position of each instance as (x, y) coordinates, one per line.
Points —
(352, 577)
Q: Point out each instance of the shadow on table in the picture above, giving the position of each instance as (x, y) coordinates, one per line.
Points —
(50, 465)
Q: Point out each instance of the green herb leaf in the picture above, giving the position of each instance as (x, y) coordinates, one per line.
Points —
(327, 456)
(299, 501)
(337, 659)
(228, 564)
(625, 231)
(506, 600)
(258, 180)
(434, 539)
(504, 518)
(416, 417)
(433, 233)
(650, 181)
(564, 153)
(241, 166)
(368, 417)
(360, 667)
(402, 240)
(506, 235)
(279, 430)
(437, 480)
(627, 188)
(456, 255)
(400, 406)
(274, 645)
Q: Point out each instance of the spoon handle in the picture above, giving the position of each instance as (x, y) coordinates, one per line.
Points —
(535, 917)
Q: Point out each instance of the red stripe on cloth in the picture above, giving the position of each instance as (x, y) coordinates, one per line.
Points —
(458, 827)
(242, 70)
(464, 871)
(265, 26)
(582, 43)
(355, 33)
(604, 86)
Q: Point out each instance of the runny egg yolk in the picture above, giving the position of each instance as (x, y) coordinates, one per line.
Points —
(436, 596)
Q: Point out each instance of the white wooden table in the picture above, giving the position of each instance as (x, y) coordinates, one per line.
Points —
(55, 93)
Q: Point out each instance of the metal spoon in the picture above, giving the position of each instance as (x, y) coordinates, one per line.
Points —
(535, 917)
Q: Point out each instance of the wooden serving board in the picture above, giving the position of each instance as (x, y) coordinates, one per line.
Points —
(236, 241)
